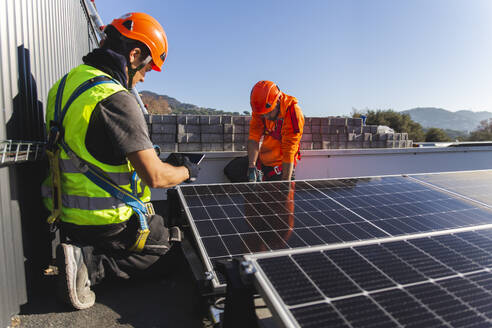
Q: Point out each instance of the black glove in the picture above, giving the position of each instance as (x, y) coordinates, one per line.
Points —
(175, 159)
(192, 169)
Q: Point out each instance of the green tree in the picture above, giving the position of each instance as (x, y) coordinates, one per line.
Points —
(397, 121)
(483, 132)
(436, 135)
(457, 135)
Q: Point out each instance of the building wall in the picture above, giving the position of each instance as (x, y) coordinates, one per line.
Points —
(39, 42)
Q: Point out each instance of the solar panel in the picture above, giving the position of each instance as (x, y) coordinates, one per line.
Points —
(231, 220)
(476, 185)
(441, 280)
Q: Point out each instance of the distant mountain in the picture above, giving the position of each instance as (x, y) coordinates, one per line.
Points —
(162, 104)
(463, 120)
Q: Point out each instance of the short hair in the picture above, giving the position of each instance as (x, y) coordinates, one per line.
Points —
(121, 44)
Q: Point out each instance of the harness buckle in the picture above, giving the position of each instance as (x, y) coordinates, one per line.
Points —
(277, 170)
(150, 208)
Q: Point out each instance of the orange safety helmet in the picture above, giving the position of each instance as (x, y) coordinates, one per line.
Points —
(144, 28)
(264, 97)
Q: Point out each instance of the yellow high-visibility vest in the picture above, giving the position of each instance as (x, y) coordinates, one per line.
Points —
(83, 202)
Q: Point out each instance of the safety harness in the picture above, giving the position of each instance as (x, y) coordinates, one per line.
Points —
(56, 142)
(277, 134)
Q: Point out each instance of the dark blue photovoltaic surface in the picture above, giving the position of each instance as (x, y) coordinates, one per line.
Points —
(426, 282)
(238, 219)
(476, 185)
(402, 206)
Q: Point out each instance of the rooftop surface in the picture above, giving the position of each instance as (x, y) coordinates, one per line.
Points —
(160, 302)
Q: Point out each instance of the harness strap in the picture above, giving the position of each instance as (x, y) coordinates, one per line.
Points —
(277, 133)
(53, 153)
(276, 170)
(56, 187)
(92, 173)
(293, 119)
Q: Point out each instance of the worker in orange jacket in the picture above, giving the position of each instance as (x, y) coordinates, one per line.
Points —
(279, 120)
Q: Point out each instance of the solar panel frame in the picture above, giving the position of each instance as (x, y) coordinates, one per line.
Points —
(246, 187)
(281, 310)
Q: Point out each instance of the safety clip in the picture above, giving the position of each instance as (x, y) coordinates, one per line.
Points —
(53, 136)
(150, 208)
(277, 170)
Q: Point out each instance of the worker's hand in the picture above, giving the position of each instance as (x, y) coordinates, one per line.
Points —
(254, 174)
(193, 169)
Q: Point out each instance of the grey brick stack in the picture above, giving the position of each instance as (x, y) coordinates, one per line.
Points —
(348, 133)
(163, 130)
(190, 133)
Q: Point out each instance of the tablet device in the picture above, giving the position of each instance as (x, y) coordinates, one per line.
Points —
(174, 159)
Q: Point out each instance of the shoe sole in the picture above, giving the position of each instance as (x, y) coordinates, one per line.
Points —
(69, 295)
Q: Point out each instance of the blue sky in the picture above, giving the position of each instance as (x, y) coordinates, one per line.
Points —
(332, 55)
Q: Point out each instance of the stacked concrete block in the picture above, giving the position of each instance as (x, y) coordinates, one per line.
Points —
(211, 133)
(307, 137)
(306, 145)
(228, 129)
(163, 131)
(190, 133)
(188, 137)
(240, 132)
(316, 133)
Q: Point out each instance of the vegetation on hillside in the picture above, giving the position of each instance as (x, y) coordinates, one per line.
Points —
(156, 104)
(464, 120)
(162, 104)
(401, 122)
(436, 135)
(483, 131)
(456, 135)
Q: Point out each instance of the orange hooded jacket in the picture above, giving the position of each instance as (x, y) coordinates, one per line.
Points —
(281, 138)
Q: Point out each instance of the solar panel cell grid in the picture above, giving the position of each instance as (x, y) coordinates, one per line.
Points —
(476, 185)
(405, 206)
(263, 217)
(426, 282)
(325, 275)
(293, 286)
(320, 315)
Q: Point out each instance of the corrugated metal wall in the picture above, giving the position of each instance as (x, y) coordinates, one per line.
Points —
(40, 40)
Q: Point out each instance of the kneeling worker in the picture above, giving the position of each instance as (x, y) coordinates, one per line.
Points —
(103, 163)
(278, 119)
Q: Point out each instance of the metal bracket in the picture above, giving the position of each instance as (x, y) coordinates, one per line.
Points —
(209, 275)
(12, 152)
(239, 308)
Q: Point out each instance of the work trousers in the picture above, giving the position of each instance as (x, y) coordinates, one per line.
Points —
(105, 248)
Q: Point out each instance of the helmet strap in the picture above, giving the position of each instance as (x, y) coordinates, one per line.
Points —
(133, 71)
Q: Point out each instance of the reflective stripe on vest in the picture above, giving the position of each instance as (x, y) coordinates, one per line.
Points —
(67, 166)
(85, 203)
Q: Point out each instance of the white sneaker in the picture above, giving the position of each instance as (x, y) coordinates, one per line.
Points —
(73, 279)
